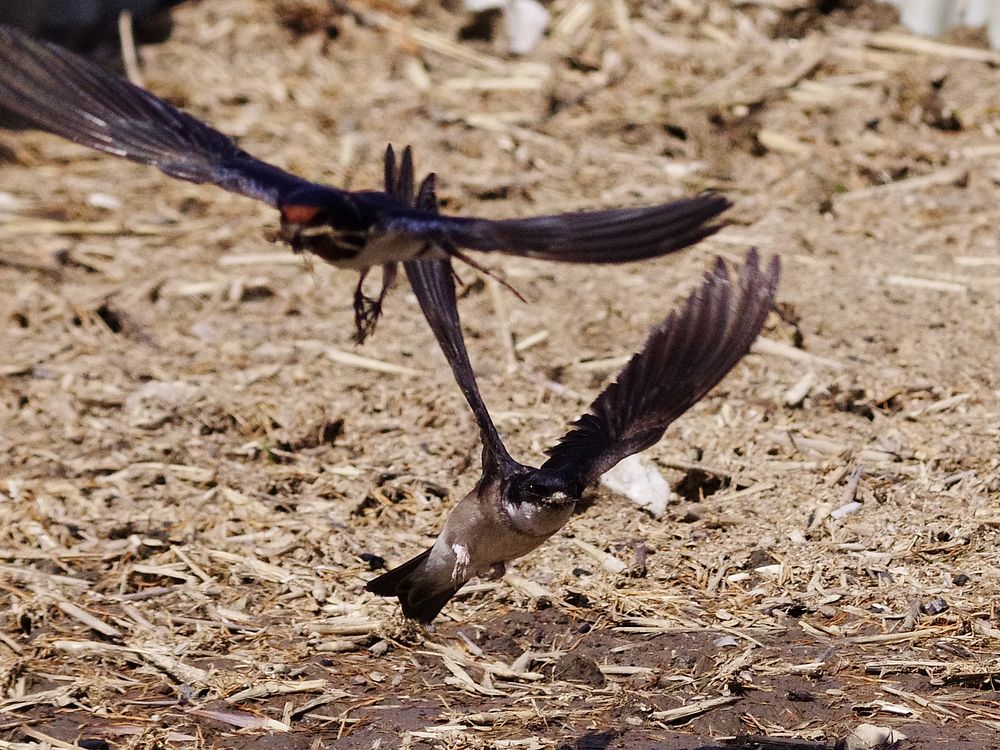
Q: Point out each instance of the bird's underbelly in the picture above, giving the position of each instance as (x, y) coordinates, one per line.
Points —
(357, 250)
(505, 550)
(392, 247)
(500, 546)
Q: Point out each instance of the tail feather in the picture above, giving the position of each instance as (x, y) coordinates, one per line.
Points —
(394, 581)
(420, 594)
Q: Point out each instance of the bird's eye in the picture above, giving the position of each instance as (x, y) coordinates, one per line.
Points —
(526, 488)
(541, 490)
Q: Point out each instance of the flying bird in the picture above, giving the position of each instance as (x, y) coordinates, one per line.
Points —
(514, 508)
(65, 94)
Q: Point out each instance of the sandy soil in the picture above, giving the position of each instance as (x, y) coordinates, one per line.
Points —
(194, 486)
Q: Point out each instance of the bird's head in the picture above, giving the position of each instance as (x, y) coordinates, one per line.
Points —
(309, 228)
(538, 502)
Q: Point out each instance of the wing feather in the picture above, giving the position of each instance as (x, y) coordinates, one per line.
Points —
(683, 358)
(68, 95)
(433, 283)
(608, 236)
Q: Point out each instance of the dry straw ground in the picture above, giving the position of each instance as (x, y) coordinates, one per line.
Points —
(195, 478)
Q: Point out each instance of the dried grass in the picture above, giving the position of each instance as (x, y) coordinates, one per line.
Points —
(195, 471)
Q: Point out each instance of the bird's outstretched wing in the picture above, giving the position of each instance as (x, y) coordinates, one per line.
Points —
(68, 95)
(433, 283)
(683, 358)
(616, 235)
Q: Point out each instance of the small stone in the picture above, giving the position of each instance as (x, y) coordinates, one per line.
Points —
(577, 599)
(526, 22)
(575, 667)
(105, 201)
(934, 606)
(692, 514)
(760, 558)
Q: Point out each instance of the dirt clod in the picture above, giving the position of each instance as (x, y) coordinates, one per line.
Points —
(576, 667)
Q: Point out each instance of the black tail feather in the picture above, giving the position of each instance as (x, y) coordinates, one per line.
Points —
(419, 595)
(393, 581)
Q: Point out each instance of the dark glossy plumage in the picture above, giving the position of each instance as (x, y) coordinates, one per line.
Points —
(65, 94)
(683, 358)
(514, 507)
(69, 96)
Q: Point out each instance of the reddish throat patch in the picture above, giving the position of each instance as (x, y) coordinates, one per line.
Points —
(299, 214)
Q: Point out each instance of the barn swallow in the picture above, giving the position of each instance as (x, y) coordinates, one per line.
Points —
(513, 507)
(67, 95)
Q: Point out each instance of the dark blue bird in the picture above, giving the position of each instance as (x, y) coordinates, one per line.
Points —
(65, 94)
